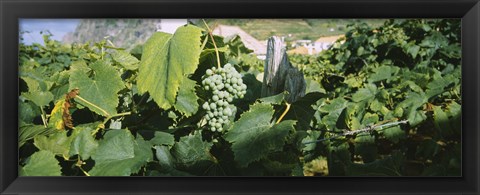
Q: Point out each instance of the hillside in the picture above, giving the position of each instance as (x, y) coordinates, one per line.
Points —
(122, 32)
(310, 29)
(129, 32)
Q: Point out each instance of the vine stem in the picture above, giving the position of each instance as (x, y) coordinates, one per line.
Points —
(84, 172)
(44, 118)
(79, 165)
(213, 41)
(102, 126)
(110, 42)
(284, 113)
(379, 126)
(92, 104)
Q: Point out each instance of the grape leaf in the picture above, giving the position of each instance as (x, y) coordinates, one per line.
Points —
(80, 65)
(119, 154)
(28, 132)
(412, 102)
(41, 163)
(454, 110)
(436, 86)
(125, 59)
(334, 109)
(381, 73)
(58, 143)
(117, 145)
(166, 60)
(275, 99)
(101, 90)
(302, 110)
(56, 116)
(394, 133)
(253, 137)
(412, 49)
(366, 93)
(165, 158)
(83, 144)
(311, 136)
(442, 123)
(35, 81)
(364, 138)
(370, 119)
(190, 150)
(313, 86)
(27, 111)
(40, 98)
(416, 117)
(162, 138)
(33, 84)
(335, 105)
(187, 99)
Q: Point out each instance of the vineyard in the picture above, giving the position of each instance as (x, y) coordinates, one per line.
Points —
(382, 101)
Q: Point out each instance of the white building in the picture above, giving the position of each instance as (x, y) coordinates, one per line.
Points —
(324, 43)
(259, 48)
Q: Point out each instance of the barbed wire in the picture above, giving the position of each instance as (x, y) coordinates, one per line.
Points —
(366, 129)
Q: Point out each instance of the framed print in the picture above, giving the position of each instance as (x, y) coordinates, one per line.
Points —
(224, 97)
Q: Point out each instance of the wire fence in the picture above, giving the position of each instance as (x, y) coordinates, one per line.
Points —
(366, 129)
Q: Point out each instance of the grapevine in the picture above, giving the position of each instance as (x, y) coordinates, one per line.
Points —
(383, 101)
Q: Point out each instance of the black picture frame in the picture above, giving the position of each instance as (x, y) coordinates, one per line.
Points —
(12, 10)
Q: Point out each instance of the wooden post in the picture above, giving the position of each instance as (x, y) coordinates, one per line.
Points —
(279, 75)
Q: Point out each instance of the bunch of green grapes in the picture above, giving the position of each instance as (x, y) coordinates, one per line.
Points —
(225, 85)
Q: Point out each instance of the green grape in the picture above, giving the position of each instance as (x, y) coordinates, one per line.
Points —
(205, 106)
(227, 111)
(225, 84)
(213, 106)
(209, 72)
(215, 98)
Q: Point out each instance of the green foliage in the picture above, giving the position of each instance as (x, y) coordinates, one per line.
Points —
(119, 154)
(28, 132)
(408, 69)
(191, 150)
(137, 113)
(187, 99)
(125, 59)
(166, 60)
(101, 90)
(57, 143)
(254, 137)
(84, 143)
(40, 98)
(41, 163)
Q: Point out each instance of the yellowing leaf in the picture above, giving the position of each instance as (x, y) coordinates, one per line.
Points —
(56, 120)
